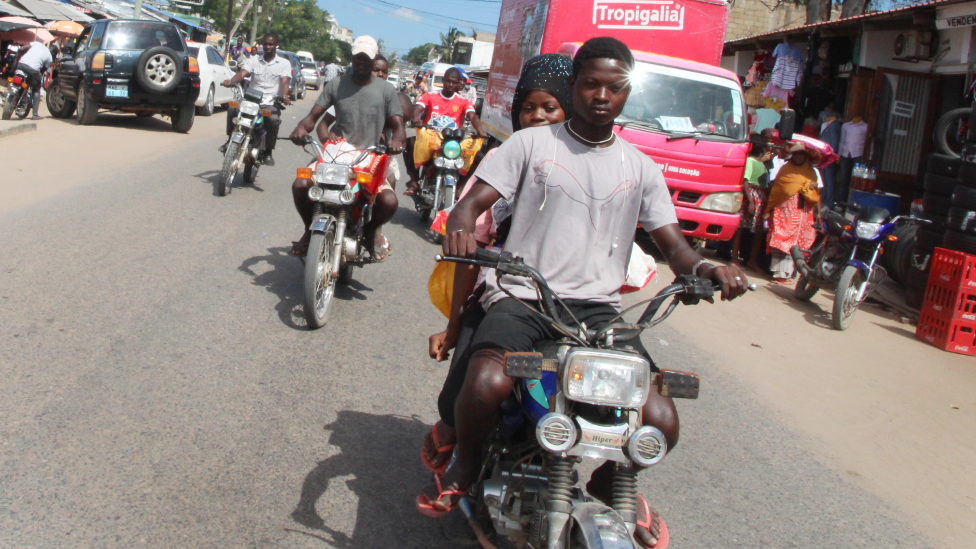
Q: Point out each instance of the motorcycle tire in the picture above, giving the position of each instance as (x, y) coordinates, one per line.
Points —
(944, 165)
(57, 104)
(87, 109)
(927, 240)
(8, 109)
(251, 173)
(845, 298)
(936, 203)
(944, 125)
(23, 105)
(159, 70)
(898, 255)
(919, 260)
(318, 285)
(225, 182)
(805, 290)
(917, 279)
(960, 242)
(939, 184)
(967, 175)
(960, 220)
(964, 198)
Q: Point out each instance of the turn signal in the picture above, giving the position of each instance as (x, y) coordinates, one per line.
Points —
(234, 104)
(892, 238)
(364, 178)
(304, 173)
(98, 61)
(266, 113)
(194, 66)
(847, 227)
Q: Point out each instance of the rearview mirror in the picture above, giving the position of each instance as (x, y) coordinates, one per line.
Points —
(787, 124)
(232, 64)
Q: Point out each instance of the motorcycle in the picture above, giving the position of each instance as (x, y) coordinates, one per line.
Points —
(18, 98)
(346, 182)
(437, 188)
(576, 399)
(844, 257)
(250, 130)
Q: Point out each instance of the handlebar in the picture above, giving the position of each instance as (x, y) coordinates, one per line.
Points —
(467, 133)
(320, 149)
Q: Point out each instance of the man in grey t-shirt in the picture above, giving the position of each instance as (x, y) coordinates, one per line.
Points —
(363, 105)
(581, 192)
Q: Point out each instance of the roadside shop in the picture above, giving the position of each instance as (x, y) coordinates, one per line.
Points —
(888, 77)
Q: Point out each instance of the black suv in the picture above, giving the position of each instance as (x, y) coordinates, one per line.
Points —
(133, 66)
(296, 87)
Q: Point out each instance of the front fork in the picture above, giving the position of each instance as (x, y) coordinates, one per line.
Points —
(868, 271)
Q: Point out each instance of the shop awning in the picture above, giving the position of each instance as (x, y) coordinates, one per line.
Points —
(189, 24)
(908, 13)
(7, 26)
(53, 11)
(7, 8)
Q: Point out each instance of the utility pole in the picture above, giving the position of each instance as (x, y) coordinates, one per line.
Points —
(254, 25)
(137, 10)
(229, 27)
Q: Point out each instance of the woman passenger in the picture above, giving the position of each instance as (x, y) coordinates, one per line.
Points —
(793, 204)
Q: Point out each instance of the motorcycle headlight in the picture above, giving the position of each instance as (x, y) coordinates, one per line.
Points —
(333, 174)
(607, 378)
(459, 163)
(722, 202)
(868, 231)
(441, 162)
(250, 108)
(452, 149)
(316, 193)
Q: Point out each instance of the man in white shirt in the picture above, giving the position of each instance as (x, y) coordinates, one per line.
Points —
(269, 75)
(35, 58)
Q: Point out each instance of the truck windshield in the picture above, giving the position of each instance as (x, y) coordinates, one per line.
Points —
(678, 101)
(134, 35)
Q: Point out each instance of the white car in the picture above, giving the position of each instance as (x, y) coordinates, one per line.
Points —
(213, 71)
(312, 77)
(394, 79)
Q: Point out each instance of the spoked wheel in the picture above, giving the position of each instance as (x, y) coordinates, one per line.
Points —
(8, 107)
(251, 173)
(845, 300)
(229, 169)
(805, 289)
(23, 105)
(319, 286)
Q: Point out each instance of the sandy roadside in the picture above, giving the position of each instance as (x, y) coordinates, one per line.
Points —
(888, 412)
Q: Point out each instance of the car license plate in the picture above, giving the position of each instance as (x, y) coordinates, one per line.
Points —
(116, 90)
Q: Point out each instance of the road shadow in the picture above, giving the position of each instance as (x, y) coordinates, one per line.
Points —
(812, 312)
(283, 279)
(126, 122)
(353, 290)
(212, 178)
(379, 455)
(898, 330)
(408, 218)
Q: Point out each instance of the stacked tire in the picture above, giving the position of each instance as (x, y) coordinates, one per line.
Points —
(945, 174)
(960, 220)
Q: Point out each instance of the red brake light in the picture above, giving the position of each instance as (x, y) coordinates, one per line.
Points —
(17, 80)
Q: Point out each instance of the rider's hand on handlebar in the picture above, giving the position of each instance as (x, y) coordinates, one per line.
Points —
(730, 279)
(284, 99)
(397, 145)
(459, 244)
(298, 136)
(226, 83)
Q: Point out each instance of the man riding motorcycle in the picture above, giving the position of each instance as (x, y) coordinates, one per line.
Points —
(364, 104)
(581, 194)
(270, 75)
(34, 59)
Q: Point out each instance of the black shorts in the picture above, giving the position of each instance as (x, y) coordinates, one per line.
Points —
(511, 326)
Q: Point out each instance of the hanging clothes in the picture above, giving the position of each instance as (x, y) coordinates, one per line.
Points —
(787, 70)
(773, 91)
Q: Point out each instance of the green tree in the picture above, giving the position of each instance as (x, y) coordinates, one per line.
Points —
(447, 43)
(418, 55)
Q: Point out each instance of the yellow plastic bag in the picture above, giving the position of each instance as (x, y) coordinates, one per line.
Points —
(469, 148)
(427, 142)
(441, 287)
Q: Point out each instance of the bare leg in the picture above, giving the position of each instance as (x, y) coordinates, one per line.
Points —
(384, 208)
(736, 243)
(758, 240)
(305, 207)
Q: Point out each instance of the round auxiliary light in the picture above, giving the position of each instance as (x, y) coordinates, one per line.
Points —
(316, 193)
(459, 163)
(347, 196)
(452, 149)
(556, 432)
(647, 446)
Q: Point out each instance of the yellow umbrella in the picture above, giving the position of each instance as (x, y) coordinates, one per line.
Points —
(70, 29)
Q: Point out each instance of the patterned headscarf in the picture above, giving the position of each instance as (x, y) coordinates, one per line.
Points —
(550, 73)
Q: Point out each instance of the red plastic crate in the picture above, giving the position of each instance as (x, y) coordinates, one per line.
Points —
(953, 335)
(953, 303)
(953, 269)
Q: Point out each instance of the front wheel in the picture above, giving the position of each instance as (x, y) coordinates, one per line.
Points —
(845, 299)
(319, 285)
(9, 106)
(229, 170)
(448, 201)
(805, 289)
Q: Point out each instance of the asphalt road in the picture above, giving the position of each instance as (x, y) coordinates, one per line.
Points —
(160, 388)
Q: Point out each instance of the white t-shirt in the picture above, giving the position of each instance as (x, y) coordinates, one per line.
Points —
(37, 56)
(575, 224)
(266, 77)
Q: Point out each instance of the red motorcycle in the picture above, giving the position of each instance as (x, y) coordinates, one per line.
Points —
(346, 182)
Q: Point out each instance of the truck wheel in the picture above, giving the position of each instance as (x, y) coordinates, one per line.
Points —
(87, 109)
(57, 104)
(159, 70)
(183, 118)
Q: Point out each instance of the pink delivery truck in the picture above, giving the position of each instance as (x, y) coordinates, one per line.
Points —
(684, 111)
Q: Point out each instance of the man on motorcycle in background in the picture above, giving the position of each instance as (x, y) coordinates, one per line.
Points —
(418, 87)
(34, 59)
(581, 194)
(443, 109)
(364, 104)
(270, 75)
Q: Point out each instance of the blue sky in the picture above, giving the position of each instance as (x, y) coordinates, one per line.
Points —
(403, 24)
